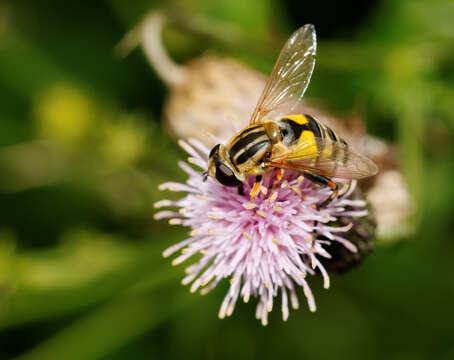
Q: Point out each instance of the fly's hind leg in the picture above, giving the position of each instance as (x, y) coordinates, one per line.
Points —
(323, 180)
(279, 176)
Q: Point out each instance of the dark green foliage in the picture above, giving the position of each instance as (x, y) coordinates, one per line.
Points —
(81, 272)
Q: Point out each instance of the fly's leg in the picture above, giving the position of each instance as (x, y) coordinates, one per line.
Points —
(279, 176)
(255, 189)
(323, 180)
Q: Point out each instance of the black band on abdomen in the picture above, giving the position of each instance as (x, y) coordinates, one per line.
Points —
(251, 151)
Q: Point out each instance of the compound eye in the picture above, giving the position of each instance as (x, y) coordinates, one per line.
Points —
(226, 176)
(214, 150)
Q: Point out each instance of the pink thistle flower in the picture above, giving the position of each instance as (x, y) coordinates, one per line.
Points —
(266, 247)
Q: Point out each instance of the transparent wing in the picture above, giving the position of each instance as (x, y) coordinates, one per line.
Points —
(290, 77)
(331, 159)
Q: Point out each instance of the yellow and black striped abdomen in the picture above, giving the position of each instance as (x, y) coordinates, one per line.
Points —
(312, 137)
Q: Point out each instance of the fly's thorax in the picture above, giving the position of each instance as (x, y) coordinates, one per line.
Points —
(247, 149)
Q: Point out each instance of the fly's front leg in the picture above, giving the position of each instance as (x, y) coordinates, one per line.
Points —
(255, 189)
(323, 180)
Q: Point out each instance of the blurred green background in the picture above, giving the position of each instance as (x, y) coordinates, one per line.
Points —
(81, 273)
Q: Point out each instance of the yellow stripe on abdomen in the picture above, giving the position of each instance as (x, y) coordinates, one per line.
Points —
(309, 148)
(328, 149)
(299, 119)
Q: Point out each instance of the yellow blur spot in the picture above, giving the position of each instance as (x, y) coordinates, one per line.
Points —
(124, 142)
(300, 119)
(64, 113)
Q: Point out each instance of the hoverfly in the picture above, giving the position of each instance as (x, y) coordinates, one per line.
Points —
(277, 138)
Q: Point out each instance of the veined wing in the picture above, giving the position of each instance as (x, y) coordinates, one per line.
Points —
(290, 77)
(327, 158)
